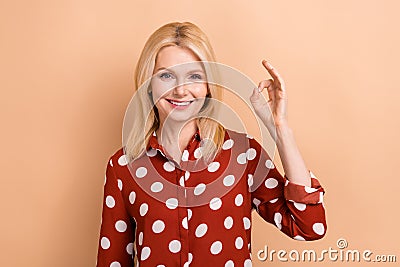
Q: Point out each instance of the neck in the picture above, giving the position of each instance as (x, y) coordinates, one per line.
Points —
(173, 134)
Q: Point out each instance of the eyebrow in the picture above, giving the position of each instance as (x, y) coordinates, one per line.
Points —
(191, 71)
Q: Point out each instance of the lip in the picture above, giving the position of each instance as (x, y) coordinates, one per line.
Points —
(180, 101)
(170, 101)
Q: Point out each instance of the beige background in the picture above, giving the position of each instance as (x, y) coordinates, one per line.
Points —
(66, 79)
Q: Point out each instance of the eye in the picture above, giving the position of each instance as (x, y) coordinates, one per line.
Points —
(196, 76)
(166, 76)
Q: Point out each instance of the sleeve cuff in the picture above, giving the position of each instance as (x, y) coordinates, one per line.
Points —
(304, 194)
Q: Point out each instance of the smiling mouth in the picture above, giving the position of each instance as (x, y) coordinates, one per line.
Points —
(180, 103)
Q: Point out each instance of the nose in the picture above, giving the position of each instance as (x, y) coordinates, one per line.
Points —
(180, 89)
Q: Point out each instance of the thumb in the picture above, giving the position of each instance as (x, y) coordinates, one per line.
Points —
(255, 96)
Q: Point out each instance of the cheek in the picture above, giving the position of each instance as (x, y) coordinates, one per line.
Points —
(159, 89)
(199, 90)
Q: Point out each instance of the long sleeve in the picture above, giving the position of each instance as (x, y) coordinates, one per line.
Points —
(294, 209)
(117, 228)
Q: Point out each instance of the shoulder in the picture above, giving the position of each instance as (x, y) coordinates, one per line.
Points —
(118, 157)
(242, 138)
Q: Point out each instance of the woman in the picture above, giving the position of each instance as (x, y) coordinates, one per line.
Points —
(181, 190)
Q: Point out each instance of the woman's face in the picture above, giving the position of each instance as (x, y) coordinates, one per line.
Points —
(179, 89)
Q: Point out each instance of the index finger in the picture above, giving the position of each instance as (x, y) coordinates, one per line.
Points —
(273, 72)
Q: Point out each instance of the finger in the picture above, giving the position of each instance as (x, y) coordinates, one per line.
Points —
(265, 84)
(274, 73)
(270, 85)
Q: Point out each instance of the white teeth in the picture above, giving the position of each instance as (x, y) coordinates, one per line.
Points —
(180, 103)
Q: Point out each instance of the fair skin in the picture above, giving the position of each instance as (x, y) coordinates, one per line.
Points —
(179, 127)
(173, 86)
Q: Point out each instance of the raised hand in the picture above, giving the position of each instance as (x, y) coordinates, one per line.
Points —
(276, 115)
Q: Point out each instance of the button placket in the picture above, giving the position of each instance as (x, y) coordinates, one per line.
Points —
(181, 193)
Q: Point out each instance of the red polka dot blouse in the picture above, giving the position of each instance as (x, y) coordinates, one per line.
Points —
(197, 214)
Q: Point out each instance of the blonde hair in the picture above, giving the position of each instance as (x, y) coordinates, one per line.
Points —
(186, 35)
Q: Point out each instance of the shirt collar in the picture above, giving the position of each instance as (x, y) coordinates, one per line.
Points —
(153, 142)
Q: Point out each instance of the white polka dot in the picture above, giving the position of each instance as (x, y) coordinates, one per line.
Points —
(185, 155)
(115, 264)
(140, 238)
(321, 197)
(105, 243)
(287, 182)
(172, 203)
(269, 164)
(111, 163)
(271, 183)
(158, 226)
(239, 242)
(197, 153)
(174, 246)
(278, 220)
(143, 209)
(151, 152)
(229, 264)
(141, 172)
(216, 247)
(228, 222)
(239, 200)
(300, 238)
(199, 189)
(189, 212)
(187, 174)
(119, 184)
(121, 226)
(229, 180)
(246, 223)
(215, 203)
(318, 228)
(300, 206)
(273, 200)
(310, 189)
(247, 263)
(241, 159)
(228, 144)
(123, 160)
(145, 253)
(190, 257)
(110, 202)
(185, 223)
(157, 187)
(169, 166)
(201, 230)
(213, 166)
(132, 197)
(251, 153)
(129, 248)
(250, 180)
(182, 181)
